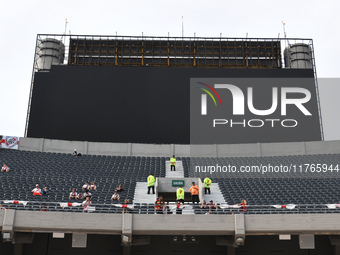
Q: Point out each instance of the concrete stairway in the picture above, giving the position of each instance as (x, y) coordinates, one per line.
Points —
(141, 195)
(216, 194)
(174, 174)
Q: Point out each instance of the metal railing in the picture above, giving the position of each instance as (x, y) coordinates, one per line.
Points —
(141, 208)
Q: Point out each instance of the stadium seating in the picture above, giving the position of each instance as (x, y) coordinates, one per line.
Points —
(62, 172)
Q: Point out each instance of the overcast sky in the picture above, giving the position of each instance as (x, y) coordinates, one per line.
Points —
(21, 21)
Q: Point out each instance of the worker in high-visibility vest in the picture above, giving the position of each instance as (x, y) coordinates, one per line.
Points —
(207, 183)
(194, 193)
(173, 163)
(180, 194)
(151, 183)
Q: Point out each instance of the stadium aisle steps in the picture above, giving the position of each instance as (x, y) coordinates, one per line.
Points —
(179, 173)
(216, 194)
(141, 195)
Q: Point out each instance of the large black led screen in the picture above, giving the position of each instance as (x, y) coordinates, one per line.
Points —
(129, 104)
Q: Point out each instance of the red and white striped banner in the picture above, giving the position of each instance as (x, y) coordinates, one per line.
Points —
(15, 202)
(288, 206)
(333, 206)
(225, 206)
(124, 206)
(62, 205)
(9, 142)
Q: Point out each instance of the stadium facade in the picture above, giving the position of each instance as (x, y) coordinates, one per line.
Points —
(127, 104)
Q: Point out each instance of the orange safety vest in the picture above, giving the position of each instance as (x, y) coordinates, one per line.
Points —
(194, 190)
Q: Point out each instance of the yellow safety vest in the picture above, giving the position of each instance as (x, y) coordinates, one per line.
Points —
(151, 180)
(172, 161)
(207, 183)
(180, 193)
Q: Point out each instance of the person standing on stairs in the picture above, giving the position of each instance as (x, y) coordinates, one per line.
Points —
(151, 183)
(173, 163)
(207, 183)
(194, 193)
(180, 194)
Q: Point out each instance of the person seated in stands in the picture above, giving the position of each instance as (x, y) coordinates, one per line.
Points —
(44, 209)
(45, 191)
(211, 206)
(87, 194)
(159, 205)
(115, 196)
(5, 168)
(36, 190)
(179, 207)
(120, 188)
(86, 186)
(73, 194)
(243, 208)
(125, 209)
(76, 154)
(204, 205)
(93, 186)
(2, 208)
(87, 202)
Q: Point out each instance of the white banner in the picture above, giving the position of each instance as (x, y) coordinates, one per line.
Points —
(9, 142)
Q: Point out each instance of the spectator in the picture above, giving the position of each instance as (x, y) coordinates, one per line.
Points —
(159, 205)
(5, 168)
(151, 183)
(86, 186)
(115, 196)
(194, 193)
(76, 154)
(166, 209)
(44, 209)
(211, 206)
(120, 188)
(36, 190)
(207, 184)
(173, 163)
(179, 207)
(204, 205)
(93, 186)
(243, 205)
(2, 207)
(45, 191)
(125, 209)
(180, 194)
(73, 194)
(87, 202)
(87, 194)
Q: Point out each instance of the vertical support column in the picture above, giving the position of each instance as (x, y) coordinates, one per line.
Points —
(126, 229)
(86, 147)
(240, 234)
(303, 148)
(129, 149)
(7, 225)
(172, 149)
(42, 142)
(18, 249)
(259, 150)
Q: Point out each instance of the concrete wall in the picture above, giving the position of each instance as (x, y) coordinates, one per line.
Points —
(166, 150)
(105, 223)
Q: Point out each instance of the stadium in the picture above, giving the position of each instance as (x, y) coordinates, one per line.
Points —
(244, 112)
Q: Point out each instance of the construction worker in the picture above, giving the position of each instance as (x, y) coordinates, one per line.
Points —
(194, 193)
(207, 183)
(151, 183)
(173, 163)
(180, 194)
